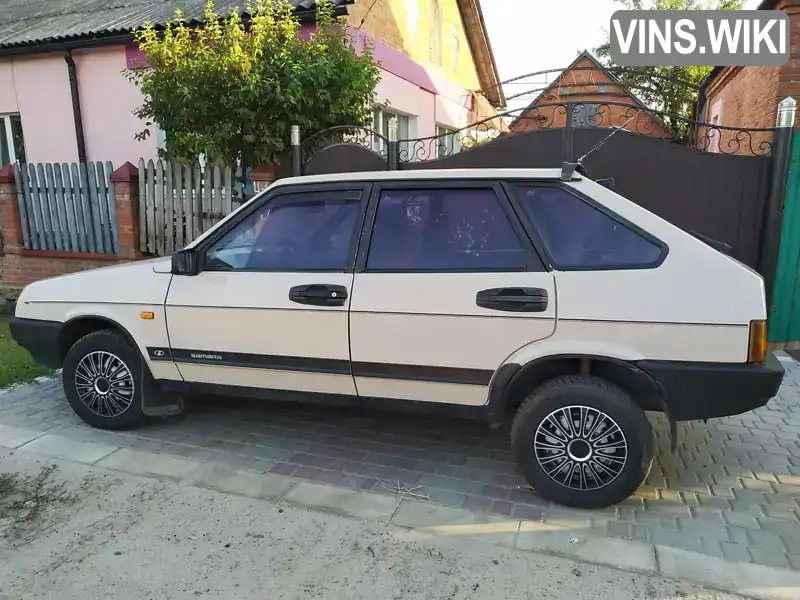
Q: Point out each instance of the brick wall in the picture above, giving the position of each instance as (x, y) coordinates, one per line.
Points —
(19, 266)
(588, 83)
(750, 95)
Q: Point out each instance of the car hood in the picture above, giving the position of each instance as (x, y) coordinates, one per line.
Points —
(139, 282)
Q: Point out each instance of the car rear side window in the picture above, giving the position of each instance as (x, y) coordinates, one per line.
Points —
(293, 232)
(578, 235)
(446, 229)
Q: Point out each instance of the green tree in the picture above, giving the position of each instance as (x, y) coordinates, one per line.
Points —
(232, 89)
(670, 89)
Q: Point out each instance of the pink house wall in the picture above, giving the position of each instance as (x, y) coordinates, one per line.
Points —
(108, 100)
(39, 92)
(8, 97)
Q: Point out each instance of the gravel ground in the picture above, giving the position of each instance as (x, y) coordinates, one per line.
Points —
(125, 537)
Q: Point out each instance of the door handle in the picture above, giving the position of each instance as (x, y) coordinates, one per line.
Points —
(318, 294)
(513, 299)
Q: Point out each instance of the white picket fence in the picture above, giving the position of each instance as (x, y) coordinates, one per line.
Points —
(179, 202)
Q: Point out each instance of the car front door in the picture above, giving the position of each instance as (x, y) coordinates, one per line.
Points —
(269, 307)
(447, 286)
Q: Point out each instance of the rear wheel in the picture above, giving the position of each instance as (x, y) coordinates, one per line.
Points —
(582, 441)
(102, 379)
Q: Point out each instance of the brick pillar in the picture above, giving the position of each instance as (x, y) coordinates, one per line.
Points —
(262, 176)
(126, 193)
(13, 242)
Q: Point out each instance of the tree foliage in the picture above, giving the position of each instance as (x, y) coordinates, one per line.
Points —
(671, 89)
(232, 88)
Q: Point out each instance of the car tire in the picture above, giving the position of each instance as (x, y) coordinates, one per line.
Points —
(581, 441)
(103, 378)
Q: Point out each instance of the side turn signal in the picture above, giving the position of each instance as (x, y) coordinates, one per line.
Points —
(147, 316)
(757, 348)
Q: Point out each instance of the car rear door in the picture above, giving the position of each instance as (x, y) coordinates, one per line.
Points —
(447, 286)
(269, 307)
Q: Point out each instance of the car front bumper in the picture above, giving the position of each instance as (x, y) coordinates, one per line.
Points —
(706, 390)
(40, 338)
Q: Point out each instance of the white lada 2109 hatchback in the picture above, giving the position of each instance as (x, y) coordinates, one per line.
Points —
(531, 296)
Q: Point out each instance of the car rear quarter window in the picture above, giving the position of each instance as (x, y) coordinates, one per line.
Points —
(578, 235)
(443, 230)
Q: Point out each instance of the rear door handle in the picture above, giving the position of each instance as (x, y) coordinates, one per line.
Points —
(513, 299)
(318, 294)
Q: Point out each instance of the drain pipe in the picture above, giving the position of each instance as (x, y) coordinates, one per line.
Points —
(76, 107)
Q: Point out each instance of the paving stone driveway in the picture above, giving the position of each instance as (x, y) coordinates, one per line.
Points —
(731, 490)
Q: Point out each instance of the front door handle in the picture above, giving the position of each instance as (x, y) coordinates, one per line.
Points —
(513, 299)
(319, 294)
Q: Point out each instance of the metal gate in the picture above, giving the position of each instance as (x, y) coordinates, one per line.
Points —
(719, 181)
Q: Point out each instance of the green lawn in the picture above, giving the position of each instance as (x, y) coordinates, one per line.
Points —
(16, 364)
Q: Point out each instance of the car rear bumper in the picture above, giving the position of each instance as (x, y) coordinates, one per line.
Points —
(706, 390)
(40, 338)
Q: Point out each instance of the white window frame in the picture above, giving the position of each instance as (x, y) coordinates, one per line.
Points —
(450, 145)
(6, 123)
(381, 116)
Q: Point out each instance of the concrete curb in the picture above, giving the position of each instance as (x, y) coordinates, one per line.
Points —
(425, 519)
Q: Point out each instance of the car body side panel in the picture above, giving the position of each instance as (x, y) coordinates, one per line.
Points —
(247, 322)
(639, 341)
(118, 294)
(400, 320)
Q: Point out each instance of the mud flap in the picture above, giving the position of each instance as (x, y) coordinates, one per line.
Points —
(157, 402)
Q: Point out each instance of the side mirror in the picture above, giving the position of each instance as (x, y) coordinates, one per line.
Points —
(607, 182)
(184, 262)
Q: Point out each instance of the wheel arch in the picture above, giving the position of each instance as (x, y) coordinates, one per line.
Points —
(513, 382)
(81, 325)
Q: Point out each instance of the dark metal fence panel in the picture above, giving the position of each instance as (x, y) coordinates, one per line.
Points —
(721, 196)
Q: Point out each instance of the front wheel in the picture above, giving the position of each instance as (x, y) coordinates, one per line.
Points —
(581, 441)
(103, 381)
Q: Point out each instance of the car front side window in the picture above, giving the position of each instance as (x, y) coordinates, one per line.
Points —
(301, 231)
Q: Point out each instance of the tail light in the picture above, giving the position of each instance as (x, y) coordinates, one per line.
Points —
(757, 347)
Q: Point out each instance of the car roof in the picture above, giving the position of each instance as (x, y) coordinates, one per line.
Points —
(417, 174)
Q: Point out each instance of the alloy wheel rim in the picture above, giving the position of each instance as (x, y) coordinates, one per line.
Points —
(580, 447)
(104, 384)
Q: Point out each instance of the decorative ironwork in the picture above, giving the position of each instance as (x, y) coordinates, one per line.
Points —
(345, 135)
(634, 119)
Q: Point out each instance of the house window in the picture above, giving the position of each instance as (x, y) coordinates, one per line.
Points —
(12, 146)
(436, 33)
(448, 141)
(601, 88)
(585, 115)
(406, 126)
(564, 90)
(455, 47)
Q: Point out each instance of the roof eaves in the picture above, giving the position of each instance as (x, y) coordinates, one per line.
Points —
(481, 48)
(74, 27)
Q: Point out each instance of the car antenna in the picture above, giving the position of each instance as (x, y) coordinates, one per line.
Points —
(569, 169)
